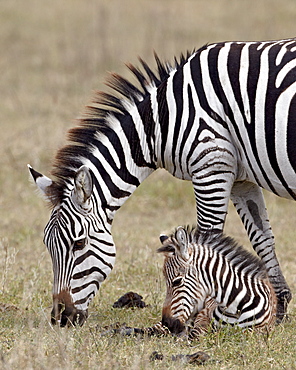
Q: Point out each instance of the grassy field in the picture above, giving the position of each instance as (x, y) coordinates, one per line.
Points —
(53, 55)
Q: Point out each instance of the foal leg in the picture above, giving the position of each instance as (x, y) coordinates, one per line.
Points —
(249, 202)
(203, 319)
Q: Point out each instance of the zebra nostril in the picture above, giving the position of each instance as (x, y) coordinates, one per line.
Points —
(64, 321)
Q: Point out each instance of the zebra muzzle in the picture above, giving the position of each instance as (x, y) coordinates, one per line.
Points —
(64, 313)
(174, 325)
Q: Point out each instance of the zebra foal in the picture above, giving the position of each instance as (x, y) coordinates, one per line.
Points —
(210, 279)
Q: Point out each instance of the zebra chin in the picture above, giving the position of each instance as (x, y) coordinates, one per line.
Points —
(64, 312)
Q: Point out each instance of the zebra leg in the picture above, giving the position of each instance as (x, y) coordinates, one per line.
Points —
(212, 189)
(202, 322)
(249, 202)
(156, 330)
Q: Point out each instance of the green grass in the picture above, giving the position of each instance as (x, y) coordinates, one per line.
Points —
(52, 56)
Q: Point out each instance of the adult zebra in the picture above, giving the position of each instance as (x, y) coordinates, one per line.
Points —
(222, 117)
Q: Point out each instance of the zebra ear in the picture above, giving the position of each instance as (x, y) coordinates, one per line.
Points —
(182, 238)
(163, 238)
(168, 247)
(43, 182)
(83, 185)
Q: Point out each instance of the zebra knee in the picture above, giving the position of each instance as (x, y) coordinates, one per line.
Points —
(254, 211)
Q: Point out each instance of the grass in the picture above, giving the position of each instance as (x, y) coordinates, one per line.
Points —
(53, 56)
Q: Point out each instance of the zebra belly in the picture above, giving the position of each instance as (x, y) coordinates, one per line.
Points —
(285, 188)
(282, 184)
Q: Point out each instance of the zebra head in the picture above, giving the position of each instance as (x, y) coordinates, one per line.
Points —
(181, 276)
(80, 245)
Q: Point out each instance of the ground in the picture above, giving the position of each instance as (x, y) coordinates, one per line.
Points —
(52, 57)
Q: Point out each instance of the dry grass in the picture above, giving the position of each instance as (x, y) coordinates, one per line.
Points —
(52, 56)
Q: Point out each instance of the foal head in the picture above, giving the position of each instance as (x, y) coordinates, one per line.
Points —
(183, 295)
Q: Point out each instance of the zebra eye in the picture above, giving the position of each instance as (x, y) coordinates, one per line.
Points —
(79, 244)
(177, 281)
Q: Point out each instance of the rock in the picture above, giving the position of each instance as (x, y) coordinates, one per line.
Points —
(197, 358)
(128, 300)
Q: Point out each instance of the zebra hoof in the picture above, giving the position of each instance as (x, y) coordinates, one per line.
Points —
(156, 356)
(284, 297)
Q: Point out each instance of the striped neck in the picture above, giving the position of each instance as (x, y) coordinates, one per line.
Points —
(205, 262)
(118, 168)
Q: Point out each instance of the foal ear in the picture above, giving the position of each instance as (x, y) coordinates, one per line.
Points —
(83, 185)
(182, 238)
(43, 182)
(168, 247)
(163, 238)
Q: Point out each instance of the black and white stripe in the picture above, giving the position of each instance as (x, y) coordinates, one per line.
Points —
(211, 280)
(222, 117)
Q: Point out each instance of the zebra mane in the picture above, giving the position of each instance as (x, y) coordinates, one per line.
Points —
(97, 117)
(232, 251)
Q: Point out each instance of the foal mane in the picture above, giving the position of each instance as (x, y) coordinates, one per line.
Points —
(221, 244)
(234, 253)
